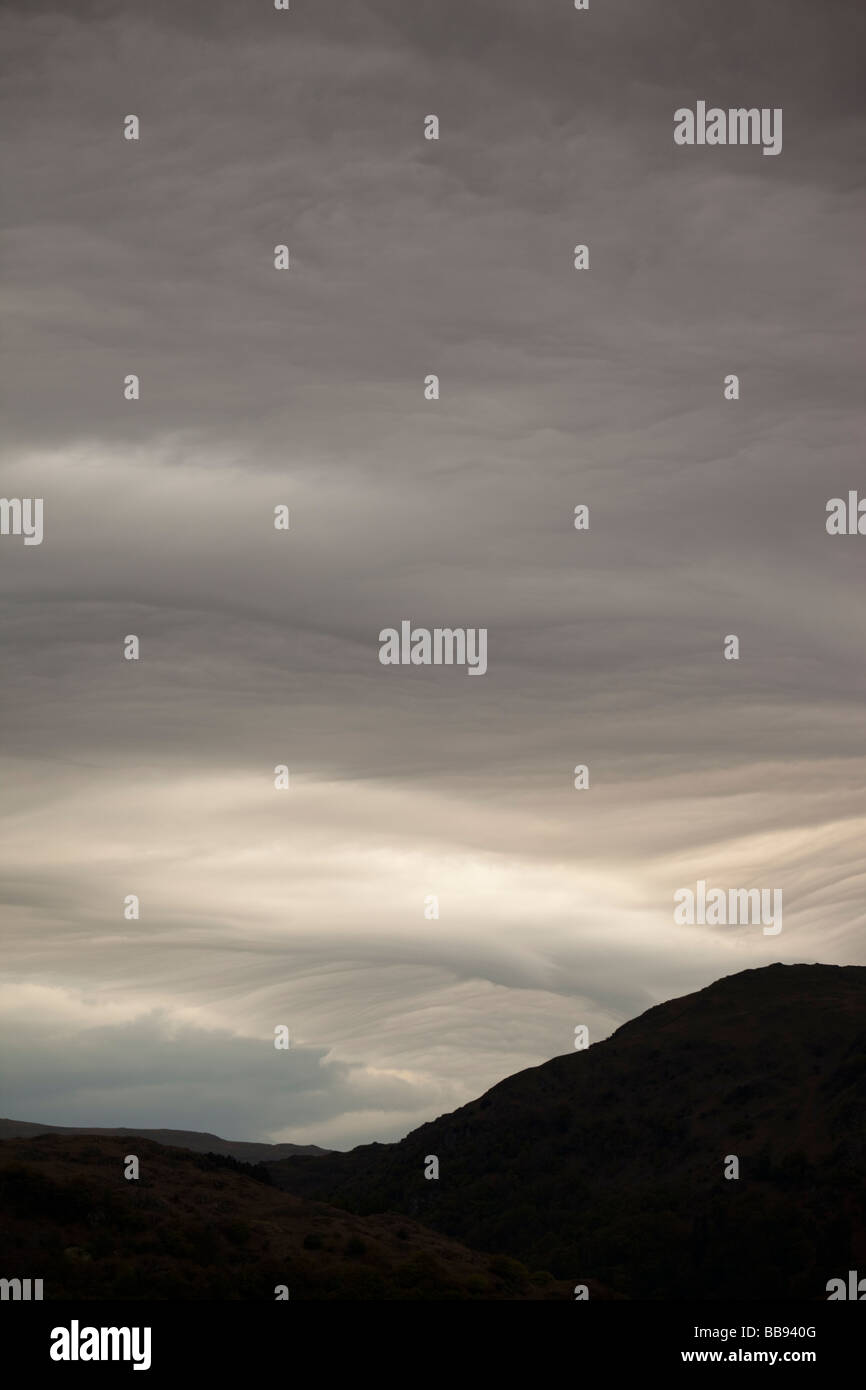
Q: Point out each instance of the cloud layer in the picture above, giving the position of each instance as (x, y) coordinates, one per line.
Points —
(260, 647)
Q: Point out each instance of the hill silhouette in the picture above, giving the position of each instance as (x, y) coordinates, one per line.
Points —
(612, 1160)
(198, 1141)
(206, 1226)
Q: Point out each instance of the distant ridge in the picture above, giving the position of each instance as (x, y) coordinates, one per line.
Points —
(178, 1138)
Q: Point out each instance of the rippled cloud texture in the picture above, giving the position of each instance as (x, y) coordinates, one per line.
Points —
(260, 647)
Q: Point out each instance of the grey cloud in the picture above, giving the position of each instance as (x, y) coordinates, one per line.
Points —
(557, 388)
(150, 1073)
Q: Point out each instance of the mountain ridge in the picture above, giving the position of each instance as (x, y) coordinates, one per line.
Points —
(613, 1159)
(197, 1226)
(198, 1141)
(611, 1166)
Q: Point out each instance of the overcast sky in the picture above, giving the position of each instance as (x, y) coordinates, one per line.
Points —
(305, 387)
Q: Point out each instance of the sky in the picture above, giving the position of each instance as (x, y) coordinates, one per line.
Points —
(259, 647)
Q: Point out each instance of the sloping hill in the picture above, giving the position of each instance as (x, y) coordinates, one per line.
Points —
(207, 1227)
(613, 1159)
(198, 1141)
